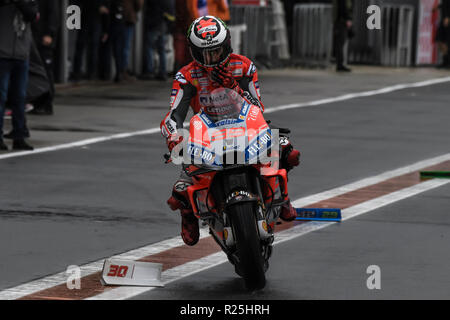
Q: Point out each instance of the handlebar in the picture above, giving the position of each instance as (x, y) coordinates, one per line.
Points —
(167, 157)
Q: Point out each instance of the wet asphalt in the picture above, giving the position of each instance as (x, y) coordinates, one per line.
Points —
(82, 204)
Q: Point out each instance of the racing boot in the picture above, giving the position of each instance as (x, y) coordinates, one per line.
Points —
(288, 212)
(189, 222)
(190, 231)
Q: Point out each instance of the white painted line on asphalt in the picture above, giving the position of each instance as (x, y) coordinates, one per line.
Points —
(369, 181)
(268, 110)
(216, 259)
(390, 198)
(91, 268)
(80, 143)
(136, 254)
(359, 94)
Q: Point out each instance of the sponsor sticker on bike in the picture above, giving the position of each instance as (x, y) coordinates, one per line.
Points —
(201, 154)
(239, 195)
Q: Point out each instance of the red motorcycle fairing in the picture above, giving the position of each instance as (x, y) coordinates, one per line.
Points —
(206, 139)
(200, 195)
(239, 201)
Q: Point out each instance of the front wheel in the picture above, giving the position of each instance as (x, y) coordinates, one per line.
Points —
(248, 245)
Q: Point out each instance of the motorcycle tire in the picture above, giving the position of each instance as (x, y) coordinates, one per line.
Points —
(248, 245)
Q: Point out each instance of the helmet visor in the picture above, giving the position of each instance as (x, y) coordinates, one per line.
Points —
(212, 56)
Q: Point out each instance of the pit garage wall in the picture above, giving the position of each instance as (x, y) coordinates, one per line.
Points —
(364, 48)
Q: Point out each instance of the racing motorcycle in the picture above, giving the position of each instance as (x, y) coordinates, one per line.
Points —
(237, 188)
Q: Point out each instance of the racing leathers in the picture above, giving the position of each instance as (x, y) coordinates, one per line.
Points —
(192, 87)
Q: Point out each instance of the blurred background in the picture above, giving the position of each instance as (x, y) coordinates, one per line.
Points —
(121, 41)
(278, 33)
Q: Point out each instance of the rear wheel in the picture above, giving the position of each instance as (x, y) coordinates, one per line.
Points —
(248, 245)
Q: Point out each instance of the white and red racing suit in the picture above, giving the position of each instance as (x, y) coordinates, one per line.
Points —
(192, 87)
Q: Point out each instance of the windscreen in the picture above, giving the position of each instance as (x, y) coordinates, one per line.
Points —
(222, 104)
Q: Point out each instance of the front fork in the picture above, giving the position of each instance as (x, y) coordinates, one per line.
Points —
(272, 194)
(275, 194)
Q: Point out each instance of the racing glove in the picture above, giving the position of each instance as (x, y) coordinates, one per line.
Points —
(223, 76)
(290, 157)
(173, 141)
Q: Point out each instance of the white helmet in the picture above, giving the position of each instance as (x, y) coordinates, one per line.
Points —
(210, 41)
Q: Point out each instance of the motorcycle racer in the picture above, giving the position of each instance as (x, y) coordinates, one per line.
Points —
(214, 66)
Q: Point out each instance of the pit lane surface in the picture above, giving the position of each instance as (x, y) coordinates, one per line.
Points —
(79, 205)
